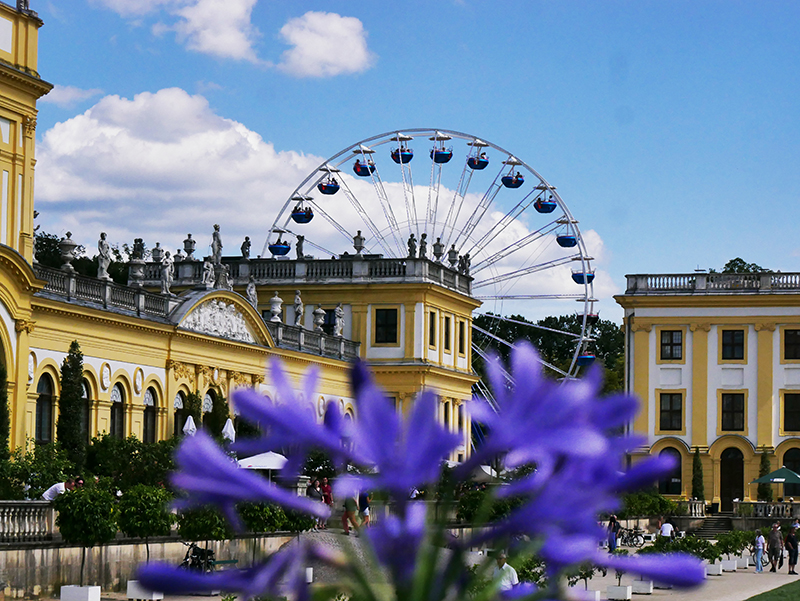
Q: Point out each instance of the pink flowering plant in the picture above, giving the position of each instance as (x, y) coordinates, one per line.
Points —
(566, 431)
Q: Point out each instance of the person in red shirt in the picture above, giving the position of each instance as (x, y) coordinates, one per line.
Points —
(327, 495)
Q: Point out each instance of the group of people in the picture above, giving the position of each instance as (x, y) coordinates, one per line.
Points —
(355, 507)
(774, 544)
(59, 488)
(322, 492)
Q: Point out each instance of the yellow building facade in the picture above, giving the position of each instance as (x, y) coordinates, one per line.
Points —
(715, 360)
(145, 351)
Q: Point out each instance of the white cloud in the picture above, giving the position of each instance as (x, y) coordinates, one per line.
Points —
(69, 96)
(159, 166)
(221, 28)
(324, 45)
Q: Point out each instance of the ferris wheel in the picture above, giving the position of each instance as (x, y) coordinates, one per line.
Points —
(474, 207)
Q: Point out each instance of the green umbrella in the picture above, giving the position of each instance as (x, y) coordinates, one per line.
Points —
(781, 476)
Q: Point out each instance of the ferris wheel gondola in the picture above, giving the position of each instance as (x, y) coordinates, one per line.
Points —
(513, 241)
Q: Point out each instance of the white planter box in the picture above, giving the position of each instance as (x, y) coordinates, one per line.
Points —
(619, 592)
(80, 593)
(649, 538)
(642, 587)
(743, 562)
(137, 591)
(662, 586)
(584, 594)
(728, 565)
(714, 569)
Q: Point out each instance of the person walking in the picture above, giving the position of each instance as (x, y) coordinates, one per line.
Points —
(759, 545)
(349, 515)
(327, 495)
(315, 492)
(791, 547)
(667, 530)
(505, 574)
(363, 504)
(775, 546)
(613, 532)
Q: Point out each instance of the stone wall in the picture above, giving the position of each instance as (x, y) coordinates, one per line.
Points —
(41, 570)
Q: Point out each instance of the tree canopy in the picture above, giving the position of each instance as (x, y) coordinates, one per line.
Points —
(739, 265)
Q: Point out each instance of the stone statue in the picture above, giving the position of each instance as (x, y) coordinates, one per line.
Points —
(298, 309)
(167, 273)
(216, 246)
(252, 293)
(423, 246)
(33, 241)
(338, 326)
(467, 264)
(412, 246)
(246, 248)
(188, 246)
(208, 273)
(103, 257)
(460, 263)
(178, 256)
(298, 247)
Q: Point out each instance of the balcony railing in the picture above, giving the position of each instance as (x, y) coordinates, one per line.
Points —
(308, 341)
(26, 521)
(712, 283)
(349, 269)
(761, 509)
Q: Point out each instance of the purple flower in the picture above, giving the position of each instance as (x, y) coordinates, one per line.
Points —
(210, 477)
(396, 539)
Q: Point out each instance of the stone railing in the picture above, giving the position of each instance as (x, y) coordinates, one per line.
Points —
(694, 509)
(713, 283)
(26, 521)
(761, 509)
(348, 269)
(104, 293)
(307, 341)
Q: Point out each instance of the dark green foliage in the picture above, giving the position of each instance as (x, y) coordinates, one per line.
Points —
(698, 488)
(297, 522)
(194, 407)
(477, 506)
(5, 418)
(71, 406)
(739, 265)
(144, 512)
(585, 572)
(246, 429)
(734, 542)
(125, 463)
(49, 255)
(47, 251)
(86, 517)
(646, 503)
(533, 569)
(262, 517)
(203, 524)
(555, 348)
(40, 466)
(318, 466)
(215, 419)
(619, 572)
(698, 547)
(764, 488)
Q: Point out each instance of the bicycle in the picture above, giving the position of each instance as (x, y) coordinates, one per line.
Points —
(198, 558)
(630, 538)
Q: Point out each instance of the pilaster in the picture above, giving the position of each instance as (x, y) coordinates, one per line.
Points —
(699, 434)
(641, 374)
(765, 407)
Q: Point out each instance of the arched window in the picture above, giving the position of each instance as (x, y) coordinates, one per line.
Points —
(791, 459)
(208, 405)
(149, 426)
(44, 410)
(117, 424)
(671, 485)
(86, 411)
(180, 414)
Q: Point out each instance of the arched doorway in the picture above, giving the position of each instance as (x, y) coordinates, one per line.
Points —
(791, 459)
(672, 484)
(731, 477)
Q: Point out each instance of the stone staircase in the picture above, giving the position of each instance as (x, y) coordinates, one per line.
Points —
(715, 525)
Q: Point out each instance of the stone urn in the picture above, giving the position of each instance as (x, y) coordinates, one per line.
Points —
(189, 245)
(157, 253)
(438, 250)
(358, 242)
(67, 247)
(319, 318)
(452, 257)
(275, 308)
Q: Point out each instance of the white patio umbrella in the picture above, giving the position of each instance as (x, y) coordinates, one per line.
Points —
(269, 461)
(228, 432)
(189, 428)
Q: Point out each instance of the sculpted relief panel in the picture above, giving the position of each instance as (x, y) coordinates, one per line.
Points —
(218, 318)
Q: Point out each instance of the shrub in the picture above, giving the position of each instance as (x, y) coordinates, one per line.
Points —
(39, 467)
(202, 525)
(144, 512)
(262, 517)
(298, 522)
(698, 488)
(71, 404)
(647, 503)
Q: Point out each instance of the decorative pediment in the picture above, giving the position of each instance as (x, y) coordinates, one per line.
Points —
(219, 318)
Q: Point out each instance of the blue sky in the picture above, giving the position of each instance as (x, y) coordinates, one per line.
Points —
(671, 129)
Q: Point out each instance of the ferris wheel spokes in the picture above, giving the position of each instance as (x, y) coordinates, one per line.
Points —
(480, 209)
(367, 219)
(514, 247)
(512, 345)
(517, 273)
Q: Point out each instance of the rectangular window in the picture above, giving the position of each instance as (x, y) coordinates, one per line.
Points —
(671, 411)
(447, 333)
(733, 412)
(462, 338)
(432, 328)
(671, 345)
(732, 345)
(385, 326)
(791, 412)
(329, 325)
(791, 344)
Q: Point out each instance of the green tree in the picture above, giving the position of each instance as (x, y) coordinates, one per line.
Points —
(86, 517)
(39, 467)
(215, 419)
(47, 251)
(318, 466)
(698, 488)
(739, 265)
(203, 525)
(765, 488)
(144, 512)
(194, 407)
(71, 407)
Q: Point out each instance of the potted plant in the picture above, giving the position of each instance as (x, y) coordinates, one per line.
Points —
(619, 592)
(86, 517)
(584, 572)
(144, 512)
(728, 544)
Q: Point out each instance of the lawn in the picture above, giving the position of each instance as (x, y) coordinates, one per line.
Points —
(788, 592)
